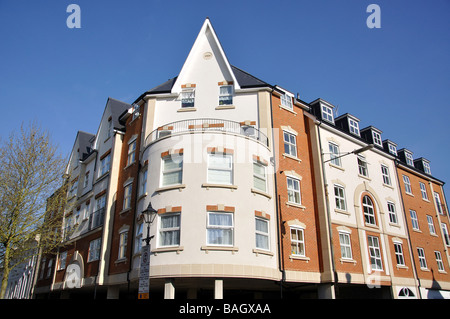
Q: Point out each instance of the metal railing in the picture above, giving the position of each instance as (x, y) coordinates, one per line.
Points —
(96, 219)
(207, 125)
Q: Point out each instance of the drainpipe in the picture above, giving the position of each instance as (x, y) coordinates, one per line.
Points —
(416, 277)
(330, 231)
(278, 207)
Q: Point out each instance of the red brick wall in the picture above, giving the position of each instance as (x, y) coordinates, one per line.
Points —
(133, 127)
(423, 238)
(307, 216)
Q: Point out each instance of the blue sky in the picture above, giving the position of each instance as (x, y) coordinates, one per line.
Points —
(396, 78)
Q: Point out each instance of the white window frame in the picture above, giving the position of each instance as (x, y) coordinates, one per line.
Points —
(369, 211)
(409, 159)
(105, 165)
(386, 175)
(299, 242)
(377, 138)
(392, 149)
(74, 188)
(229, 169)
(327, 113)
(286, 101)
(346, 245)
(363, 169)
(376, 262)
(422, 258)
(291, 146)
(188, 98)
(414, 220)
(339, 198)
(431, 225)
(86, 179)
(423, 190)
(261, 233)
(439, 261)
(426, 167)
(353, 126)
(261, 177)
(139, 236)
(131, 152)
(407, 183)
(392, 213)
(211, 227)
(166, 171)
(293, 191)
(173, 229)
(228, 98)
(398, 250)
(94, 250)
(334, 154)
(62, 260)
(445, 233)
(123, 240)
(143, 182)
(437, 200)
(127, 191)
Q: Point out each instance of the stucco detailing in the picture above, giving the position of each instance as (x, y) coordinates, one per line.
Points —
(220, 208)
(169, 209)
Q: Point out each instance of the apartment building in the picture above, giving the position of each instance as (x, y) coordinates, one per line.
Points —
(92, 176)
(427, 223)
(258, 194)
(361, 208)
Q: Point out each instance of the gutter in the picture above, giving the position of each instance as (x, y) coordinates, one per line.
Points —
(277, 203)
(416, 276)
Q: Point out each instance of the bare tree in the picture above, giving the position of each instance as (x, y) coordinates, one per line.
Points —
(32, 193)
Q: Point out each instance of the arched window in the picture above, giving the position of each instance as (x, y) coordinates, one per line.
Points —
(369, 213)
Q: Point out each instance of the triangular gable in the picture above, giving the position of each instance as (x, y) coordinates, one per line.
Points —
(114, 108)
(81, 148)
(206, 38)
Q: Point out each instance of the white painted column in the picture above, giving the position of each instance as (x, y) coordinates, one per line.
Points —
(218, 289)
(169, 289)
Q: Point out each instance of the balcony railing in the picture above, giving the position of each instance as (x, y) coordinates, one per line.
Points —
(207, 125)
(97, 218)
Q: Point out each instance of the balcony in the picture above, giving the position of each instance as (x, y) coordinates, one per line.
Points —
(207, 125)
(97, 218)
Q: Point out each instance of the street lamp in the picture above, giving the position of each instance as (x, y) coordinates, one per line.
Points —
(357, 151)
(149, 215)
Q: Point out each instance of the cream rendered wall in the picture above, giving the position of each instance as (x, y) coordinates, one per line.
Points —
(192, 259)
(348, 176)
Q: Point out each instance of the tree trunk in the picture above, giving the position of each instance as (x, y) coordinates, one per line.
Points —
(6, 272)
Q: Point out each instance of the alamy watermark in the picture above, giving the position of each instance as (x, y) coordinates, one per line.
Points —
(74, 19)
(374, 19)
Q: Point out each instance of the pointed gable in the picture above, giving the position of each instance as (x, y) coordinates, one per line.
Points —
(206, 61)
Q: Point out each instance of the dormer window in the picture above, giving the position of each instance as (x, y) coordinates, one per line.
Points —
(226, 95)
(187, 97)
(376, 138)
(327, 113)
(409, 159)
(392, 149)
(426, 167)
(286, 101)
(353, 126)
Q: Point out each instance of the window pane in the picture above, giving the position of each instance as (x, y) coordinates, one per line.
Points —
(262, 225)
(218, 219)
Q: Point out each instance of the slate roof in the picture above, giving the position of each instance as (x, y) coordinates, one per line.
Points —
(117, 109)
(84, 143)
(244, 79)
